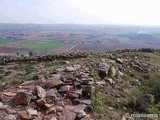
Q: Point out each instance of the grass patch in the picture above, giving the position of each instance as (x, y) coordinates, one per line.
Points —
(5, 41)
(43, 46)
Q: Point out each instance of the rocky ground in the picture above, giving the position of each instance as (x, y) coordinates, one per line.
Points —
(92, 86)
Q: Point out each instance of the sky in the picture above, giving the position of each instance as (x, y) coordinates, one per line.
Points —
(137, 12)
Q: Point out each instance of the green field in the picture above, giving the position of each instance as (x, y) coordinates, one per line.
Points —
(5, 41)
(43, 46)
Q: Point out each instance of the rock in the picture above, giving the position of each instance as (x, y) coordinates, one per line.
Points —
(150, 98)
(32, 112)
(72, 95)
(120, 73)
(87, 117)
(59, 108)
(2, 106)
(11, 111)
(53, 83)
(23, 115)
(22, 98)
(41, 102)
(101, 83)
(10, 117)
(138, 82)
(103, 60)
(111, 81)
(3, 86)
(27, 83)
(76, 101)
(70, 69)
(77, 66)
(75, 108)
(65, 88)
(47, 105)
(51, 110)
(88, 91)
(9, 94)
(136, 67)
(53, 118)
(40, 92)
(5, 99)
(113, 72)
(86, 102)
(120, 61)
(66, 62)
(103, 72)
(69, 115)
(81, 114)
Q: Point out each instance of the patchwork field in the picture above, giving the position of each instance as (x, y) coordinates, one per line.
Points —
(43, 46)
(5, 41)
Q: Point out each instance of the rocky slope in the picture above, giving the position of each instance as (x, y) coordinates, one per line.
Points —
(81, 86)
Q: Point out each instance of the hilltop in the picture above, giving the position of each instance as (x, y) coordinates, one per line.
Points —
(81, 86)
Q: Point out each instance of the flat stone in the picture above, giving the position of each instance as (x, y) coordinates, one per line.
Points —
(118, 60)
(53, 83)
(113, 72)
(41, 102)
(53, 118)
(51, 110)
(65, 88)
(86, 102)
(23, 115)
(11, 111)
(81, 114)
(40, 92)
(32, 112)
(111, 81)
(75, 108)
(10, 117)
(9, 94)
(48, 105)
(87, 117)
(2, 107)
(72, 95)
(59, 108)
(70, 69)
(69, 115)
(5, 99)
(101, 83)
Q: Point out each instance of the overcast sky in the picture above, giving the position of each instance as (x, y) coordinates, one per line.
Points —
(140, 12)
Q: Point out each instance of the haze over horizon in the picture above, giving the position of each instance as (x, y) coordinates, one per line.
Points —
(132, 12)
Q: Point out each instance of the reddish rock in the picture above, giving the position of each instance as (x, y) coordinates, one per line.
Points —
(23, 115)
(51, 110)
(22, 98)
(59, 108)
(53, 83)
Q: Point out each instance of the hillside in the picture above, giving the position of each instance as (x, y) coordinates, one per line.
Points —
(81, 86)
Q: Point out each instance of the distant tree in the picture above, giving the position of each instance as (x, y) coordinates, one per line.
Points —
(17, 53)
(30, 54)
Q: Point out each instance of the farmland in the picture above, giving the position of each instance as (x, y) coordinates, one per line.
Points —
(43, 46)
(5, 41)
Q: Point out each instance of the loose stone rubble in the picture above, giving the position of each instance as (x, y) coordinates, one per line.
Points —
(67, 93)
